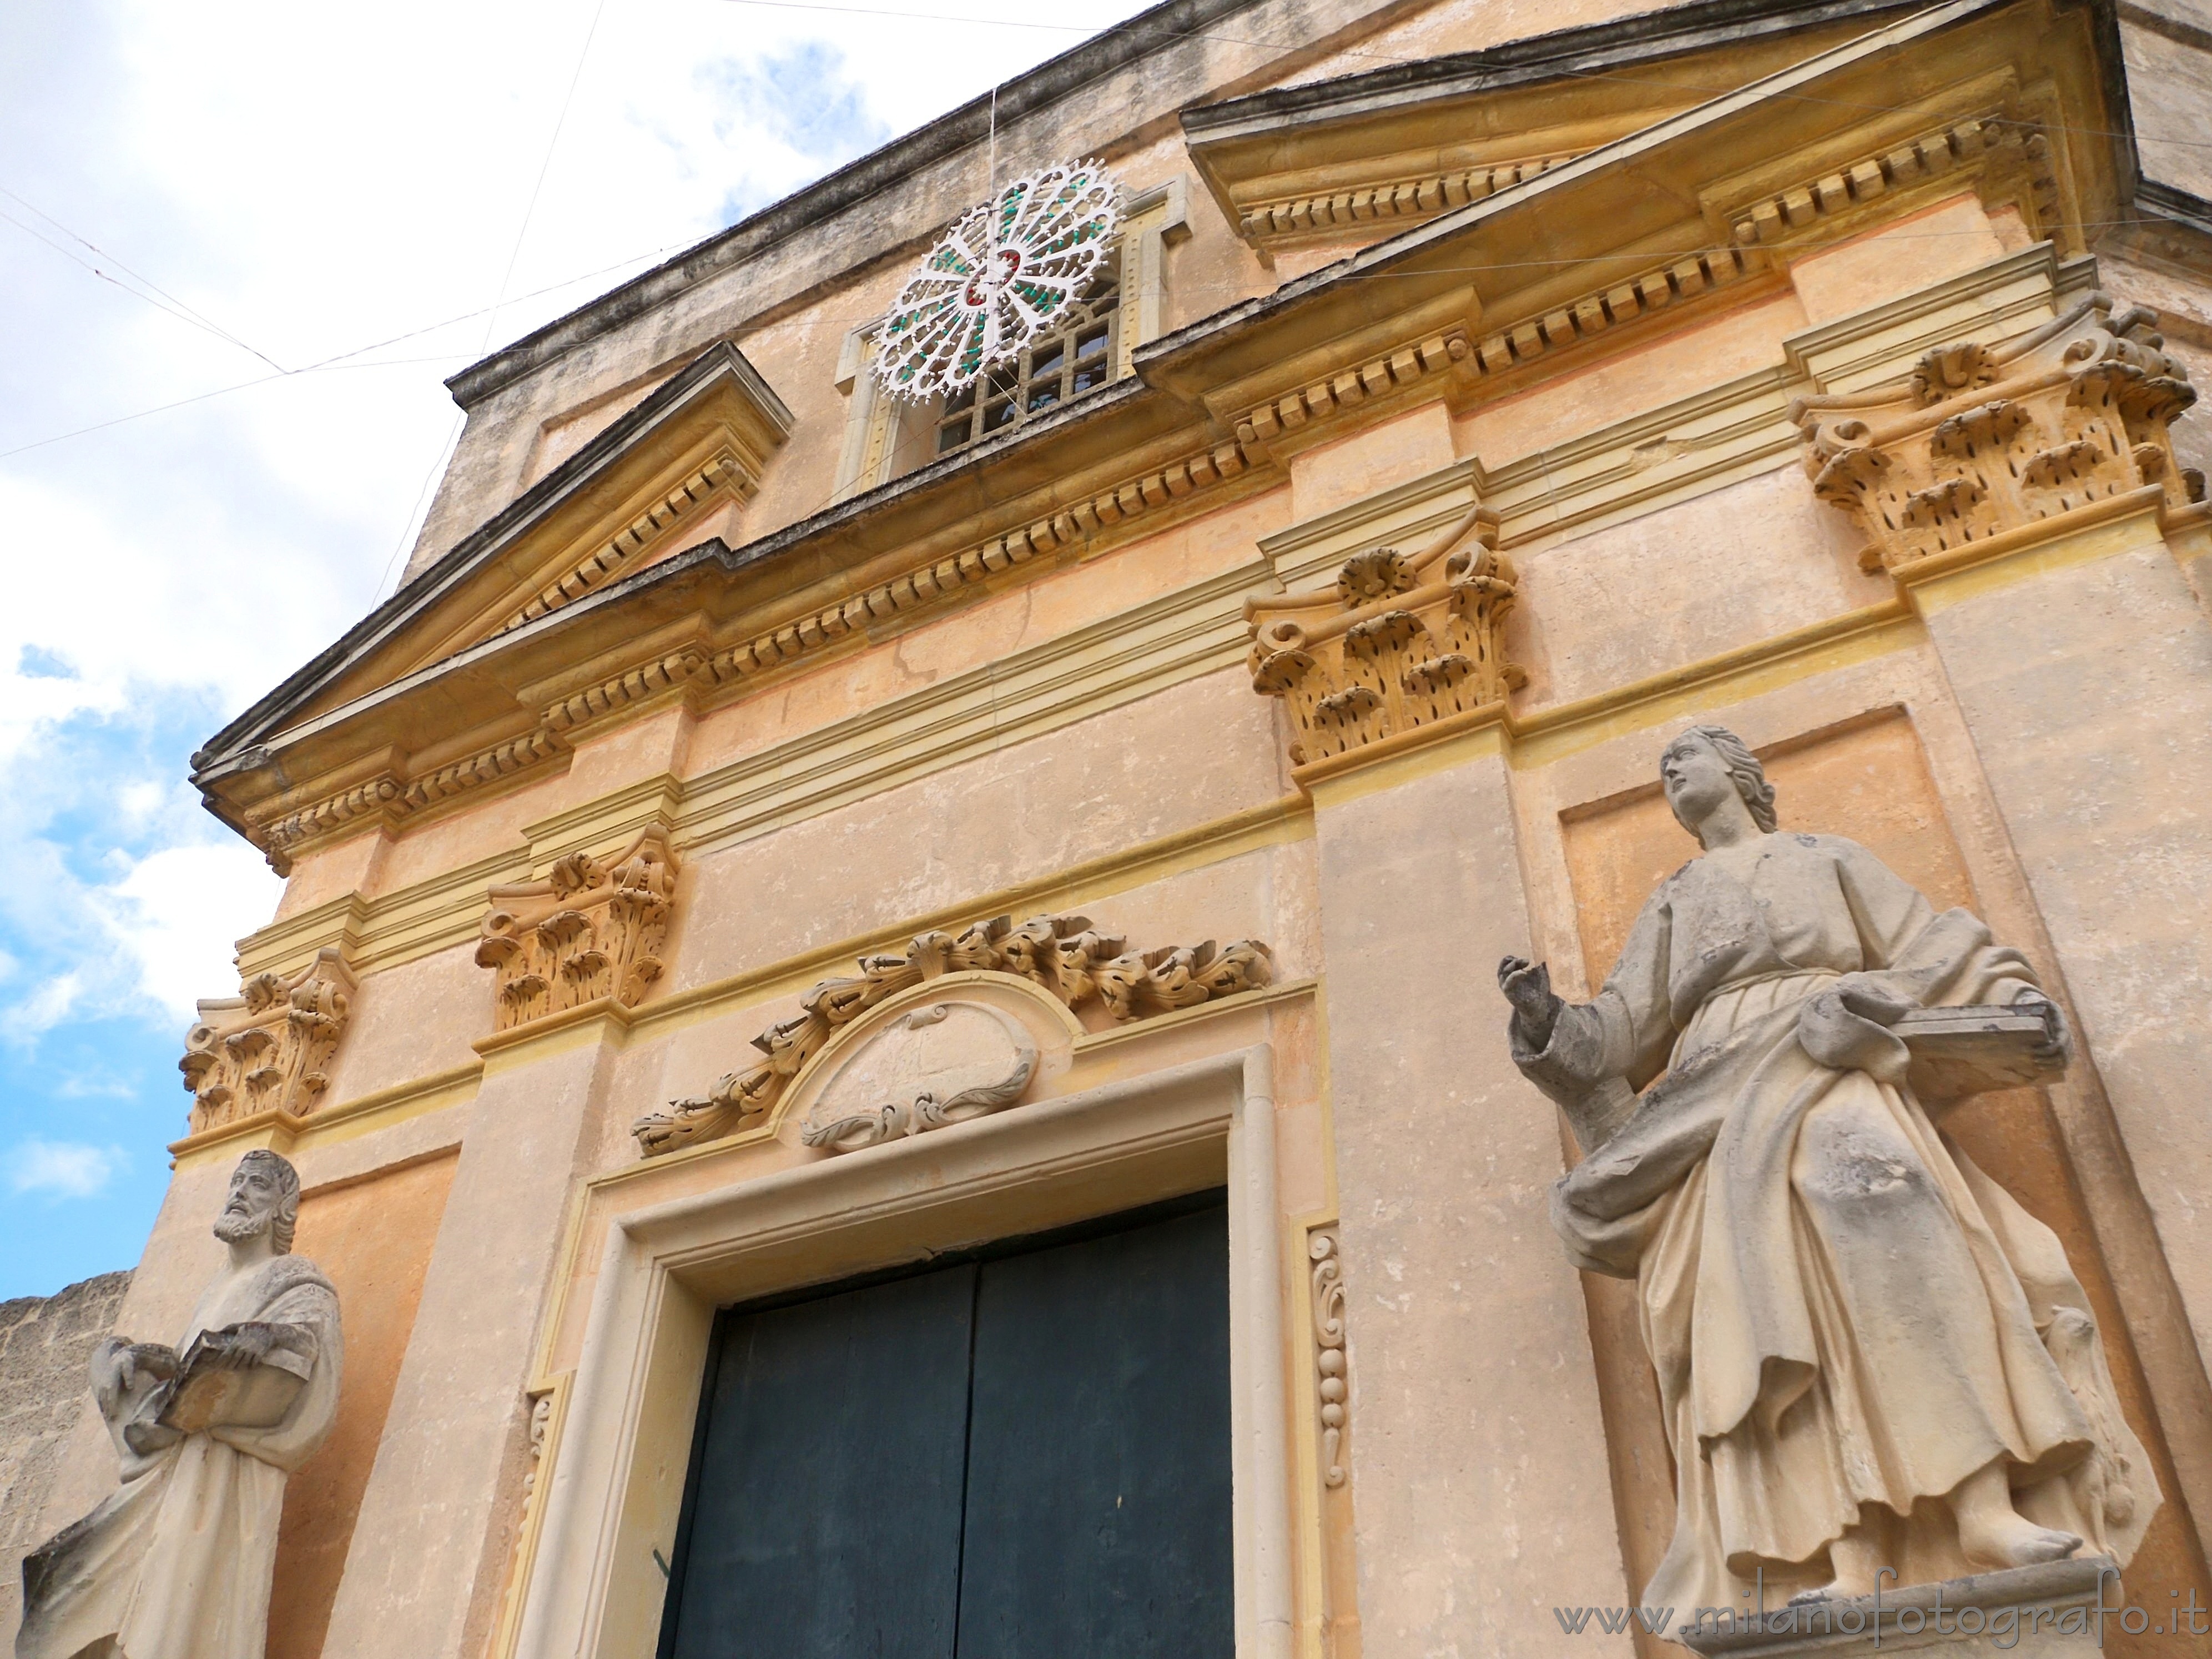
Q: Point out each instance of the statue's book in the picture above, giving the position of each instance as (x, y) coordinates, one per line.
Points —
(206, 1393)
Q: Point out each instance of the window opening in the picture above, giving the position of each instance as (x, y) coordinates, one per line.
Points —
(1077, 358)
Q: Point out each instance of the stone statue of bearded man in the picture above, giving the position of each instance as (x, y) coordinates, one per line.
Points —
(176, 1564)
(1868, 1355)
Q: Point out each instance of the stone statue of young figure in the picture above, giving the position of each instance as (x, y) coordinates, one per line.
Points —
(1868, 1355)
(178, 1564)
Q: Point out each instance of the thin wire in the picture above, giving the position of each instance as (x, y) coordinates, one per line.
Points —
(544, 167)
(815, 319)
(219, 392)
(408, 531)
(148, 298)
(1399, 57)
(183, 312)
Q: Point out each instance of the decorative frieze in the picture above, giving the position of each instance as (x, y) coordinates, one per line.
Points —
(1334, 393)
(1398, 644)
(1331, 1386)
(592, 930)
(1064, 955)
(1979, 440)
(1148, 492)
(1602, 308)
(618, 691)
(1394, 200)
(1776, 216)
(390, 798)
(606, 563)
(266, 1048)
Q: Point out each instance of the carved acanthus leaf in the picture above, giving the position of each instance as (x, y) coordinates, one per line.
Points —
(1980, 440)
(1066, 955)
(265, 1049)
(1399, 643)
(591, 929)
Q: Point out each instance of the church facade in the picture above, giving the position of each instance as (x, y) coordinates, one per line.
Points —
(887, 1008)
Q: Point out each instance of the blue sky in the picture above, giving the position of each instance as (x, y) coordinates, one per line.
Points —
(291, 223)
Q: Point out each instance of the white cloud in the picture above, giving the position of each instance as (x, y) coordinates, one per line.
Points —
(61, 1169)
(313, 180)
(179, 913)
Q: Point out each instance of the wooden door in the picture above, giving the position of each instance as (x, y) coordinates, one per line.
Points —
(1022, 1456)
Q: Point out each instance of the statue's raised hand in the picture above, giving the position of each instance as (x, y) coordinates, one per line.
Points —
(1528, 987)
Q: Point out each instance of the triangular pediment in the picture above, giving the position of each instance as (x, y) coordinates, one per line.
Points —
(1356, 158)
(665, 476)
(579, 602)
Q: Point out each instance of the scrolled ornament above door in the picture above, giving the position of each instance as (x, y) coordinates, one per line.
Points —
(1003, 274)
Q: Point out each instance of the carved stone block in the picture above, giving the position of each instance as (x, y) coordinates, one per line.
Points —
(592, 929)
(1978, 440)
(1066, 955)
(265, 1049)
(1399, 643)
(942, 1063)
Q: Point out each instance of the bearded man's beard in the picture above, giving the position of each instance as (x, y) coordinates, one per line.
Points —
(237, 1228)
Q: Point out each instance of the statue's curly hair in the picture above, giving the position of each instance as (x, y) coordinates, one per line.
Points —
(1744, 770)
(286, 1219)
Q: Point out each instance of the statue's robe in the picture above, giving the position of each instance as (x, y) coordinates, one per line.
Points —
(178, 1564)
(1840, 1307)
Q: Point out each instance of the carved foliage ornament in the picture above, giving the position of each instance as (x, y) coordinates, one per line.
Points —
(265, 1049)
(942, 1063)
(1004, 274)
(591, 929)
(1328, 1350)
(1064, 955)
(1401, 643)
(1980, 440)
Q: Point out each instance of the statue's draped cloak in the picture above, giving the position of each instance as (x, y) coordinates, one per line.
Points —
(177, 1563)
(1841, 1308)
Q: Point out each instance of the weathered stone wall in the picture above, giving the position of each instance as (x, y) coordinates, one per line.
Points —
(46, 1344)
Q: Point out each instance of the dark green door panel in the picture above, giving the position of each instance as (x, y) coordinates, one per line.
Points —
(1024, 1455)
(824, 1521)
(1098, 1518)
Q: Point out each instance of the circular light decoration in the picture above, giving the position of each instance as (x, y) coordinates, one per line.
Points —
(1005, 273)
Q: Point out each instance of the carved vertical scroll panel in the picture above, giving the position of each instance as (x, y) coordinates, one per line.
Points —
(1332, 1387)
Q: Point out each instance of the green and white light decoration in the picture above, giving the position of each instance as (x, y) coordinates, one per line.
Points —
(1005, 273)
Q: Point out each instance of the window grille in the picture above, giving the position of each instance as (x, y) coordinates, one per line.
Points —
(1077, 358)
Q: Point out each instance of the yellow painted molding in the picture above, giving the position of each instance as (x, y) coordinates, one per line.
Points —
(1273, 824)
(603, 1019)
(2098, 530)
(1550, 734)
(280, 1132)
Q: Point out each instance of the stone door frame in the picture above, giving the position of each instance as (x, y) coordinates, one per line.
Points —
(597, 1581)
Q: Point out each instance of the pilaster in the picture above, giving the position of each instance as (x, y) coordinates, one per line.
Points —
(429, 1552)
(1483, 1504)
(2082, 662)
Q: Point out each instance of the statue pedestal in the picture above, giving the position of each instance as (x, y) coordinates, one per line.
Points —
(2055, 1612)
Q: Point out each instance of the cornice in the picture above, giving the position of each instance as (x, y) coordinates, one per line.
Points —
(1573, 53)
(720, 365)
(876, 564)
